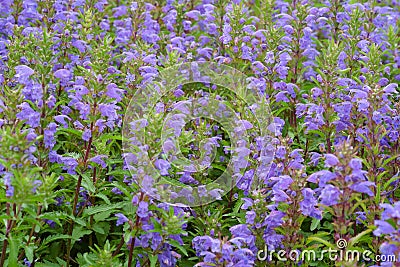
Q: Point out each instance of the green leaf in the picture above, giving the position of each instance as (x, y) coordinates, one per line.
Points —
(98, 229)
(13, 256)
(70, 131)
(318, 132)
(52, 238)
(47, 264)
(357, 238)
(103, 197)
(102, 216)
(314, 224)
(237, 206)
(87, 183)
(153, 260)
(391, 180)
(79, 232)
(102, 208)
(29, 253)
(175, 243)
(387, 161)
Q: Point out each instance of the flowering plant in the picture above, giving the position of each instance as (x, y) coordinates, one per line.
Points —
(199, 132)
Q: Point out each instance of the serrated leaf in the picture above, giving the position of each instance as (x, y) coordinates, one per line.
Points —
(237, 206)
(357, 238)
(87, 183)
(104, 197)
(70, 131)
(52, 238)
(102, 216)
(102, 208)
(98, 229)
(79, 232)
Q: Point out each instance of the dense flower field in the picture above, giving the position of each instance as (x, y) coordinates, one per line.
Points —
(199, 133)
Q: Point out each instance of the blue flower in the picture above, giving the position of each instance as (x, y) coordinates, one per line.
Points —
(62, 74)
(163, 166)
(23, 73)
(31, 117)
(143, 209)
(329, 195)
(383, 228)
(99, 160)
(363, 187)
(121, 219)
(331, 160)
(307, 205)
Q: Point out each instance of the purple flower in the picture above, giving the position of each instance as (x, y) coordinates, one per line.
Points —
(179, 93)
(61, 119)
(307, 205)
(143, 209)
(245, 181)
(163, 166)
(321, 177)
(331, 160)
(390, 211)
(250, 217)
(31, 117)
(23, 73)
(70, 164)
(329, 195)
(280, 152)
(109, 111)
(281, 97)
(277, 126)
(27, 262)
(269, 58)
(383, 228)
(120, 11)
(388, 250)
(114, 92)
(248, 202)
(216, 193)
(99, 160)
(87, 133)
(315, 157)
(356, 164)
(177, 122)
(283, 182)
(36, 184)
(7, 182)
(121, 219)
(80, 45)
(193, 14)
(51, 223)
(363, 187)
(62, 74)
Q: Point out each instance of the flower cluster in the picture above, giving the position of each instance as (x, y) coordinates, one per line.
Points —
(85, 158)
